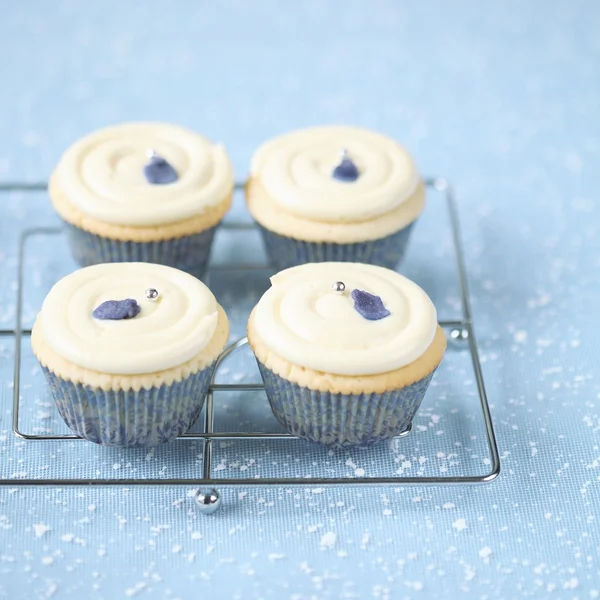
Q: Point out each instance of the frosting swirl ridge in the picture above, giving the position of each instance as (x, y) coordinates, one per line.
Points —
(304, 321)
(166, 333)
(296, 169)
(102, 174)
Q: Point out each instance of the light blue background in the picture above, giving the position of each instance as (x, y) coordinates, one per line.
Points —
(503, 99)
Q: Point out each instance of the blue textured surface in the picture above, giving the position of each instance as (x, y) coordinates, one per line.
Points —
(501, 98)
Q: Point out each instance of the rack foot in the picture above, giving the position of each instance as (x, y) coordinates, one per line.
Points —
(208, 502)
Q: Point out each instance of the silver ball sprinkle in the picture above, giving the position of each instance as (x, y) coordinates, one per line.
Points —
(151, 153)
(208, 502)
(339, 287)
(152, 294)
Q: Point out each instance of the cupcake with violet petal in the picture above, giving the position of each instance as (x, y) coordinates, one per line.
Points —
(334, 194)
(149, 192)
(346, 351)
(129, 350)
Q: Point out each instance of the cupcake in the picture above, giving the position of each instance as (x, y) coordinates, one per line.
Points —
(334, 194)
(129, 350)
(346, 351)
(143, 192)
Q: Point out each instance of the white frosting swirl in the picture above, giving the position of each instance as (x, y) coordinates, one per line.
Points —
(303, 321)
(102, 174)
(165, 334)
(295, 170)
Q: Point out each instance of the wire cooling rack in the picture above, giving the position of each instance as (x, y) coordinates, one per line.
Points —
(461, 336)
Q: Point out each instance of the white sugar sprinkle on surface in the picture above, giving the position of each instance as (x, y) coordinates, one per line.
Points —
(460, 524)
(328, 540)
(40, 529)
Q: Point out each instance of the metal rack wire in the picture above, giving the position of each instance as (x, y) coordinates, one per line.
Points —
(208, 497)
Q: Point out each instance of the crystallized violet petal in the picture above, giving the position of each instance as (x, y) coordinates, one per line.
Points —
(158, 171)
(369, 306)
(346, 171)
(115, 310)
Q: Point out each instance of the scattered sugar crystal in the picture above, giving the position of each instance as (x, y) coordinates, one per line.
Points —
(328, 540)
(460, 524)
(40, 529)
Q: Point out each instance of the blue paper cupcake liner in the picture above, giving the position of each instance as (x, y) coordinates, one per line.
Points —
(342, 419)
(189, 253)
(148, 417)
(285, 252)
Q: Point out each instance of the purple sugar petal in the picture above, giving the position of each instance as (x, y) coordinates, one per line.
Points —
(369, 306)
(346, 171)
(115, 310)
(158, 171)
